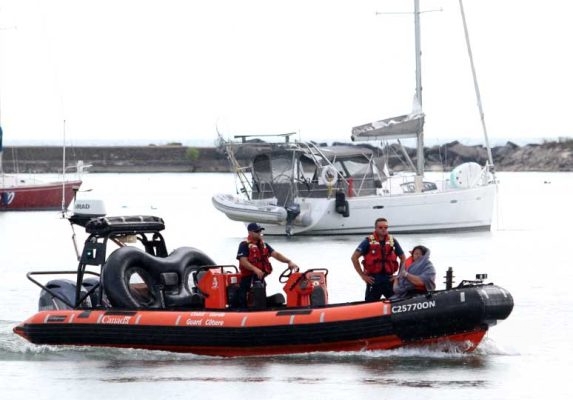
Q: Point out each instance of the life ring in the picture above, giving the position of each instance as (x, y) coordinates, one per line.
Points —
(329, 176)
(126, 262)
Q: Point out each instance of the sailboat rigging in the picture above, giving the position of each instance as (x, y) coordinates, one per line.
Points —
(286, 191)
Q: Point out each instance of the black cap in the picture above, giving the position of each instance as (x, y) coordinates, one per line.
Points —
(254, 227)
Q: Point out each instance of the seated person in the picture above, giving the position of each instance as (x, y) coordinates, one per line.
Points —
(417, 276)
(254, 264)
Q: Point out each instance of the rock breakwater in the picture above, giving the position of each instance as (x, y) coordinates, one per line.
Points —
(549, 156)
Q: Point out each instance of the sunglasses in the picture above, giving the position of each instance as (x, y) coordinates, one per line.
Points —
(382, 227)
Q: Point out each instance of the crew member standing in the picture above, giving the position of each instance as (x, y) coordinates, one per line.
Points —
(380, 252)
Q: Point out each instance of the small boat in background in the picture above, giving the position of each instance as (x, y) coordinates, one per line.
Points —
(239, 209)
(138, 295)
(20, 192)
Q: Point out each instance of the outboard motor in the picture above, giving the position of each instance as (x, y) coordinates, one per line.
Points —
(341, 204)
(293, 211)
(85, 210)
(60, 294)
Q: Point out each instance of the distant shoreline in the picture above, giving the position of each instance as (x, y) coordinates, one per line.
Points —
(175, 157)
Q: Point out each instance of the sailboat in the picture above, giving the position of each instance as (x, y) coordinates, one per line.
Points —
(298, 188)
(29, 193)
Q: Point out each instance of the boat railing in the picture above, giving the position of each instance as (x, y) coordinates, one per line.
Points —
(79, 300)
(357, 185)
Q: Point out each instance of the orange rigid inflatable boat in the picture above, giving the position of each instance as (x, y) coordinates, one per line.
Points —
(150, 299)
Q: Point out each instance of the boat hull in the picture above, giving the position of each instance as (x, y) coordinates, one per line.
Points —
(38, 197)
(452, 210)
(248, 211)
(461, 316)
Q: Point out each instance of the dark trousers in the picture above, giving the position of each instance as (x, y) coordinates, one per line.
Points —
(381, 286)
(244, 287)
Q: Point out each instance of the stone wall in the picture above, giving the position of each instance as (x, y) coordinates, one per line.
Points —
(551, 156)
(115, 159)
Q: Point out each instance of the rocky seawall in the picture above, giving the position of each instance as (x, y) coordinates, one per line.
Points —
(549, 156)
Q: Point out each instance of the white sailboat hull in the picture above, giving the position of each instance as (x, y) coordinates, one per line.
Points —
(456, 209)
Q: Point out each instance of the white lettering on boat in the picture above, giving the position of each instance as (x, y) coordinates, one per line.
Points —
(413, 306)
(194, 322)
(213, 322)
(217, 314)
(197, 313)
(116, 319)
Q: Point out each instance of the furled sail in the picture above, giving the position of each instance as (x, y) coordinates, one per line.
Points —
(402, 127)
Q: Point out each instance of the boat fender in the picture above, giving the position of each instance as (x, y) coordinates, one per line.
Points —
(329, 176)
(128, 261)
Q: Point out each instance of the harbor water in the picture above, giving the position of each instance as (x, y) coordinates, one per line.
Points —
(526, 356)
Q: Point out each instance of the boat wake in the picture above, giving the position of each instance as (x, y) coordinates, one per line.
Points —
(13, 347)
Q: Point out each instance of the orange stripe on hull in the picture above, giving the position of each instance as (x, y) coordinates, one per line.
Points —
(215, 319)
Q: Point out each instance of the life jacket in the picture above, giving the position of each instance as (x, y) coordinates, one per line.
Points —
(259, 257)
(381, 258)
(408, 262)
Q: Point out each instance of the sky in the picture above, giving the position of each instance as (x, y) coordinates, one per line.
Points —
(160, 71)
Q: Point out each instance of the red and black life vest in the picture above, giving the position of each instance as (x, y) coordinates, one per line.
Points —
(381, 257)
(259, 257)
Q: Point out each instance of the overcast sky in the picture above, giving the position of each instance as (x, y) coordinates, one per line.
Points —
(177, 70)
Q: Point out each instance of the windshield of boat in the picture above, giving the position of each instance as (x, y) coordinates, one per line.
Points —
(354, 167)
(283, 168)
(278, 169)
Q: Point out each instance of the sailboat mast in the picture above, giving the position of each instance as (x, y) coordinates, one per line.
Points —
(64, 171)
(418, 48)
(1, 148)
(476, 87)
(1, 151)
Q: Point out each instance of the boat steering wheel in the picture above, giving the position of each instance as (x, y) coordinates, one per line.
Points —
(285, 275)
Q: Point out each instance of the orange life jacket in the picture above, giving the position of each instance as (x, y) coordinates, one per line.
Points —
(408, 262)
(259, 257)
(381, 258)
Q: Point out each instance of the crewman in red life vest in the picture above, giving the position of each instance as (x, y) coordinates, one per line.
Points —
(380, 252)
(254, 264)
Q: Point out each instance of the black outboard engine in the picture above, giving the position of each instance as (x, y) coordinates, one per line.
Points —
(341, 204)
(60, 294)
(293, 211)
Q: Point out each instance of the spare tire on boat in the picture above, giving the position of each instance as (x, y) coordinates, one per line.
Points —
(131, 278)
